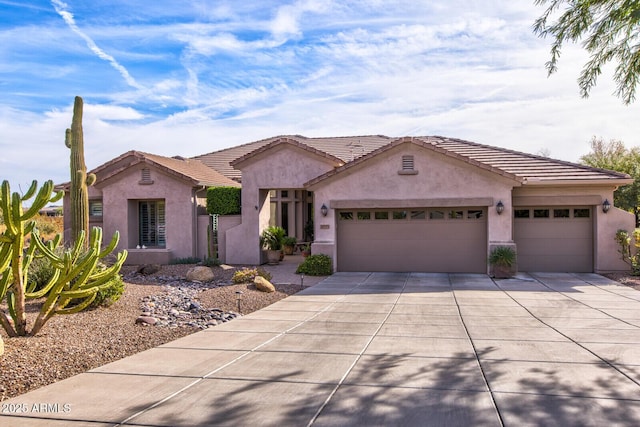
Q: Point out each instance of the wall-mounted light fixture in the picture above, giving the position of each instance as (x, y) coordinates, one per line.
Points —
(606, 206)
(500, 207)
(324, 210)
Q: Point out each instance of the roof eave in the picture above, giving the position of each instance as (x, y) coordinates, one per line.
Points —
(616, 182)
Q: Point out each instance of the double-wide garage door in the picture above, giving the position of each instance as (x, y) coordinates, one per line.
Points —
(554, 238)
(421, 240)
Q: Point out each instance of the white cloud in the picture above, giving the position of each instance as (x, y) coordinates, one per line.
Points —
(61, 9)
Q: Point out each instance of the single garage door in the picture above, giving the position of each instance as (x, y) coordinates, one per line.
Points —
(554, 239)
(421, 240)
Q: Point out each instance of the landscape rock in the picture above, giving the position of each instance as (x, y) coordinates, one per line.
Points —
(263, 284)
(1, 347)
(147, 320)
(148, 269)
(200, 274)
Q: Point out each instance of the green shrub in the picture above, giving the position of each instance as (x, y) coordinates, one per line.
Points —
(246, 275)
(187, 260)
(316, 265)
(223, 200)
(40, 272)
(210, 262)
(106, 297)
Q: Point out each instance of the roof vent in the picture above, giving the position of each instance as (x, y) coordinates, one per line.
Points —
(145, 177)
(407, 167)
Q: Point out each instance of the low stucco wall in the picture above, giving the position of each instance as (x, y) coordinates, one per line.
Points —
(225, 225)
(608, 257)
(148, 256)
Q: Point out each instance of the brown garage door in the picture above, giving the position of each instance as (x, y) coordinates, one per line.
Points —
(423, 240)
(554, 239)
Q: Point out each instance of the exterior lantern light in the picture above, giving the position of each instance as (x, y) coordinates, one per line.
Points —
(324, 210)
(606, 206)
(500, 207)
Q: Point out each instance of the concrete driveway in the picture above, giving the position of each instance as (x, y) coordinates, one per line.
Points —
(381, 349)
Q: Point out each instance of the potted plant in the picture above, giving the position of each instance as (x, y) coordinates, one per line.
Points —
(502, 260)
(288, 245)
(271, 242)
(306, 250)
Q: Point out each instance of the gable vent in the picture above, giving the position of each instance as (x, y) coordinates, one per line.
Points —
(407, 163)
(145, 177)
(407, 167)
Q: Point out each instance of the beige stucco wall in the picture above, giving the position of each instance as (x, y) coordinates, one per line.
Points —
(441, 181)
(120, 195)
(282, 167)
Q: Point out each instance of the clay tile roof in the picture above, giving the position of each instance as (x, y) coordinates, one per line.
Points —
(526, 167)
(190, 169)
(345, 148)
(287, 141)
(523, 167)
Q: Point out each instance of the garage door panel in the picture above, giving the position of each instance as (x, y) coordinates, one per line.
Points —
(554, 244)
(441, 245)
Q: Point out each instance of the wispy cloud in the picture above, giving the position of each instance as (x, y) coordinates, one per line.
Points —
(62, 10)
(209, 75)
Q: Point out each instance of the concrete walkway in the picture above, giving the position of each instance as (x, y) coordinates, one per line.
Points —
(381, 349)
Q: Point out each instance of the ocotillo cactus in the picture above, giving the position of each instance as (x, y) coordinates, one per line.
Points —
(76, 277)
(13, 262)
(80, 181)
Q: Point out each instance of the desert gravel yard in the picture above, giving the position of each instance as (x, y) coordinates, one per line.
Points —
(384, 349)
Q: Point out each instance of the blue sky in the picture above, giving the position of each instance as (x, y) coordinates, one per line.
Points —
(190, 77)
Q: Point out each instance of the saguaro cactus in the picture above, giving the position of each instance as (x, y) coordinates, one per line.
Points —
(76, 277)
(80, 181)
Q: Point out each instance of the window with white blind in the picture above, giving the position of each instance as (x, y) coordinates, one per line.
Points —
(152, 223)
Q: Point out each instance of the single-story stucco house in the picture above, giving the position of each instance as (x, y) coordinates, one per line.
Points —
(376, 203)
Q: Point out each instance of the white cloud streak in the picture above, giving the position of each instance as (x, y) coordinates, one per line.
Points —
(62, 10)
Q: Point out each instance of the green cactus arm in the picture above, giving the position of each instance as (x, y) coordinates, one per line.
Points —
(67, 137)
(81, 277)
(103, 277)
(6, 251)
(91, 179)
(5, 281)
(42, 292)
(112, 245)
(57, 196)
(11, 305)
(50, 302)
(77, 308)
(31, 191)
(5, 198)
(40, 201)
(29, 227)
(47, 250)
(95, 238)
(5, 239)
(16, 213)
(26, 262)
(78, 294)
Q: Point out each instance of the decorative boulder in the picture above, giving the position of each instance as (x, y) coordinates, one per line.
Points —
(263, 284)
(146, 320)
(200, 274)
(148, 269)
